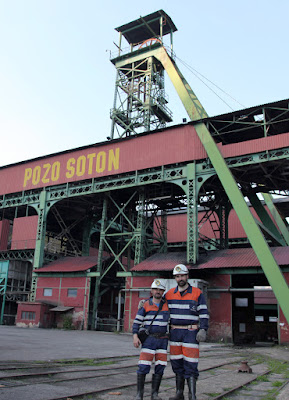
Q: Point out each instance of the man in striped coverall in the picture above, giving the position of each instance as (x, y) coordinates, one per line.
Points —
(155, 346)
(188, 326)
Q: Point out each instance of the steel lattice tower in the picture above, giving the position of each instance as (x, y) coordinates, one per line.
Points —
(140, 101)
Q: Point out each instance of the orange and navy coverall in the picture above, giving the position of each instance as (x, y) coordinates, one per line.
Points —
(186, 308)
(155, 346)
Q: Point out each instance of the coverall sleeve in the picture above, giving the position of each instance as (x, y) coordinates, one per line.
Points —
(138, 321)
(203, 312)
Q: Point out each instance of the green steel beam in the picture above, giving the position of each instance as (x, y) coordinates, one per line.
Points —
(26, 255)
(277, 217)
(192, 214)
(67, 274)
(133, 179)
(122, 274)
(99, 262)
(243, 271)
(40, 241)
(265, 218)
(196, 113)
(139, 231)
(4, 266)
(223, 214)
(41, 230)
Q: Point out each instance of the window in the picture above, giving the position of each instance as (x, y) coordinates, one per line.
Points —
(241, 302)
(28, 315)
(47, 292)
(259, 318)
(144, 294)
(71, 292)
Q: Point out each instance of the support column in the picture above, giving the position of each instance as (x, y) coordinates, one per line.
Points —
(223, 213)
(99, 263)
(40, 241)
(139, 232)
(4, 265)
(192, 215)
(164, 229)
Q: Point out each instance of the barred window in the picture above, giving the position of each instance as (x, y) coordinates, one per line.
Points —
(30, 315)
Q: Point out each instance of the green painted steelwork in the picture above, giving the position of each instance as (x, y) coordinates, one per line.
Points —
(68, 274)
(124, 274)
(136, 178)
(265, 218)
(223, 214)
(257, 240)
(26, 255)
(99, 262)
(4, 267)
(40, 240)
(139, 231)
(140, 99)
(277, 217)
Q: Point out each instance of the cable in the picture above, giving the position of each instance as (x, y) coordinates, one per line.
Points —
(195, 72)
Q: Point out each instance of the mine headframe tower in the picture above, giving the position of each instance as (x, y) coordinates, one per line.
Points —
(137, 112)
(140, 101)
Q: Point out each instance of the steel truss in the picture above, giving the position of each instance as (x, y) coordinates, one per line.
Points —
(255, 122)
(140, 99)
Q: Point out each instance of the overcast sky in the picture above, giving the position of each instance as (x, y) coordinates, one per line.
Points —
(57, 81)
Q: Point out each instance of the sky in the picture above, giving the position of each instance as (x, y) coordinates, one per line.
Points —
(57, 82)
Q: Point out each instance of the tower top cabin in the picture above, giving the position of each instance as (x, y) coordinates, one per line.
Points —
(140, 101)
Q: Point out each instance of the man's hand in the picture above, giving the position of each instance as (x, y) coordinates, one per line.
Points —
(136, 341)
(141, 303)
(201, 335)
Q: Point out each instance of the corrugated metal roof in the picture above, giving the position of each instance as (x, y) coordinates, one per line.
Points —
(61, 309)
(69, 264)
(244, 257)
(161, 262)
(229, 258)
(143, 28)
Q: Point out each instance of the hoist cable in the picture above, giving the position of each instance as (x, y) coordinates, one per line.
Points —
(195, 72)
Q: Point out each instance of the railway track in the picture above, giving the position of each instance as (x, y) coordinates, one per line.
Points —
(115, 378)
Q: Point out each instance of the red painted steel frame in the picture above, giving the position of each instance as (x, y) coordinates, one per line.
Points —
(152, 150)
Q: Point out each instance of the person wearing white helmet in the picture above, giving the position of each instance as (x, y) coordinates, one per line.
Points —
(154, 316)
(180, 269)
(188, 326)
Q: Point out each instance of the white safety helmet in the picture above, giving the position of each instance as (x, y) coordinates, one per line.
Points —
(180, 269)
(158, 284)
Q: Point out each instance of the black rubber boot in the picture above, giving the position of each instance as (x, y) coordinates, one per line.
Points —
(140, 386)
(180, 384)
(155, 386)
(192, 387)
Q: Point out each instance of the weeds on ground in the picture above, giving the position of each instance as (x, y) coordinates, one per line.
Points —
(262, 378)
(275, 366)
(271, 395)
(277, 383)
(86, 361)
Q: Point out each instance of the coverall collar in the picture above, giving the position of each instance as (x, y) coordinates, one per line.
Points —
(188, 290)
